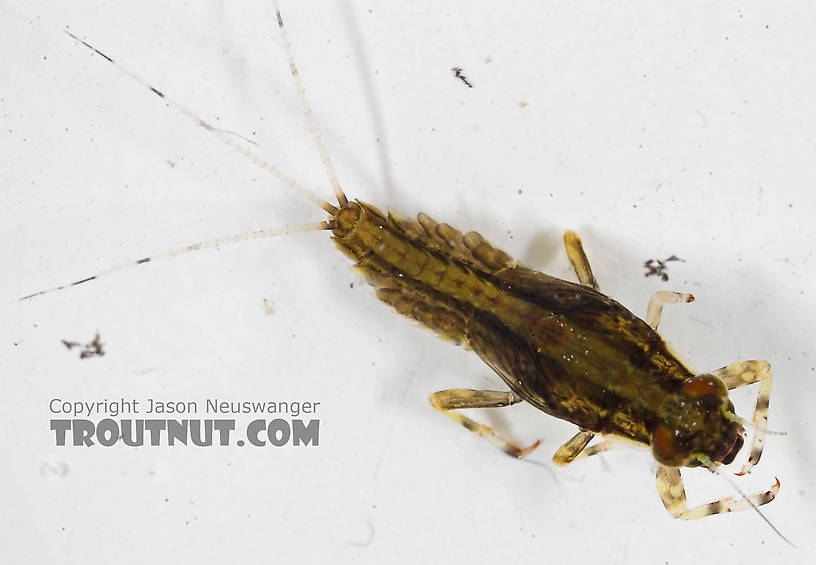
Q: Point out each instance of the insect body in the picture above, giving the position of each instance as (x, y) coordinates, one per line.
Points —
(565, 348)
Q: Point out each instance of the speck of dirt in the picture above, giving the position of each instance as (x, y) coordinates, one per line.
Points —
(269, 308)
(658, 267)
(90, 349)
(458, 73)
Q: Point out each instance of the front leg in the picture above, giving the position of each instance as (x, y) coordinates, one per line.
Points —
(670, 488)
(744, 373)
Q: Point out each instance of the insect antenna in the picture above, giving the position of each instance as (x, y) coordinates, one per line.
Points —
(307, 110)
(246, 236)
(749, 424)
(714, 470)
(220, 134)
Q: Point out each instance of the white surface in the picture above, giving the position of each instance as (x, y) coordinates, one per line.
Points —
(652, 128)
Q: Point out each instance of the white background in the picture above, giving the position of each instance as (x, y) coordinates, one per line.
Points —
(653, 129)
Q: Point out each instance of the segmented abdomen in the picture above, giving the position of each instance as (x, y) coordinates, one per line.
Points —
(425, 270)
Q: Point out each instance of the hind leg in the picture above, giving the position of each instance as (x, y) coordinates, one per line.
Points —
(578, 258)
(448, 401)
(575, 252)
(745, 373)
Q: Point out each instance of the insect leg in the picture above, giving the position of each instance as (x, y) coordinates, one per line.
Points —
(658, 299)
(576, 448)
(447, 401)
(568, 452)
(670, 488)
(575, 252)
(745, 373)
(601, 447)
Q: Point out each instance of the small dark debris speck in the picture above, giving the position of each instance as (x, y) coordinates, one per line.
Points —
(457, 72)
(91, 349)
(657, 267)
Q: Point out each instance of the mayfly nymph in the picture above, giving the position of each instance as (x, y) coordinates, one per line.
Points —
(564, 347)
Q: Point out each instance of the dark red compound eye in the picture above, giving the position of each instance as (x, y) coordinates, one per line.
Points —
(667, 448)
(704, 385)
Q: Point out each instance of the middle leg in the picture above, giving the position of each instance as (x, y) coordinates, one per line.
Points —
(576, 448)
(655, 309)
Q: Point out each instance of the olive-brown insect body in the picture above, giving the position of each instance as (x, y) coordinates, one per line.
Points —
(577, 354)
(565, 348)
